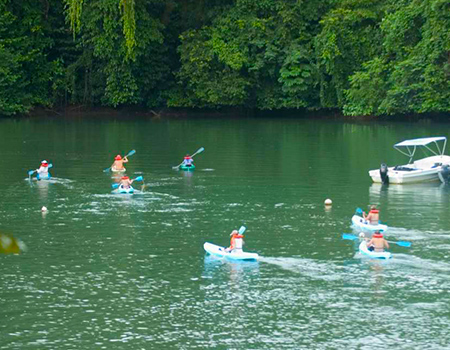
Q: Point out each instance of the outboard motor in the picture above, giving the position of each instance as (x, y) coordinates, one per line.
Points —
(444, 174)
(384, 173)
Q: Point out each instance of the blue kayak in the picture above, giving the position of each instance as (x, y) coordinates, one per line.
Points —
(122, 190)
(40, 177)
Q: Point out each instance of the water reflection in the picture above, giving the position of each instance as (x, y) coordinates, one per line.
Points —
(237, 271)
(413, 193)
(43, 186)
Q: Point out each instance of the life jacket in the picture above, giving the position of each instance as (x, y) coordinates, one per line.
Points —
(377, 235)
(374, 211)
(188, 157)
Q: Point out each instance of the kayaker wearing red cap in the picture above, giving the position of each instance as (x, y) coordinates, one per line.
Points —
(374, 215)
(236, 243)
(42, 172)
(377, 243)
(118, 163)
(188, 161)
(125, 182)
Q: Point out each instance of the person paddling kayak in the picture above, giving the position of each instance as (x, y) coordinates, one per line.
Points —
(236, 243)
(374, 215)
(118, 163)
(125, 182)
(377, 243)
(188, 161)
(42, 172)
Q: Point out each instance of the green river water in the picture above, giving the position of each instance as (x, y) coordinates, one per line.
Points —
(107, 271)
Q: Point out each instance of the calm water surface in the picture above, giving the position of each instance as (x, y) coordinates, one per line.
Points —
(105, 271)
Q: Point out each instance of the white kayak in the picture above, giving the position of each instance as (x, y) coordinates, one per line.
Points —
(114, 170)
(123, 190)
(374, 255)
(233, 255)
(365, 225)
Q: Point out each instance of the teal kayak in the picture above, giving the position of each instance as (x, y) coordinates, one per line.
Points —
(122, 190)
(187, 168)
(45, 177)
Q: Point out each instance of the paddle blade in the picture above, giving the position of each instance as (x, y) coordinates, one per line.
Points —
(107, 169)
(403, 244)
(115, 185)
(139, 178)
(31, 172)
(130, 153)
(50, 165)
(349, 236)
(359, 211)
(201, 149)
(242, 230)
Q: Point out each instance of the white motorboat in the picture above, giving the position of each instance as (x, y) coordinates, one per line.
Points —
(421, 170)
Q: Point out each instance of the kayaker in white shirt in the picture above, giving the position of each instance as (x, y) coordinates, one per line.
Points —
(236, 243)
(43, 169)
(188, 161)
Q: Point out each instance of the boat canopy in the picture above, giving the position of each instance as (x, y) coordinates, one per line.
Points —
(411, 146)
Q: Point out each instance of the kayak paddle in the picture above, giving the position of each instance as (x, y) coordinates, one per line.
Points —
(242, 230)
(200, 150)
(139, 178)
(126, 156)
(353, 237)
(359, 211)
(349, 236)
(402, 244)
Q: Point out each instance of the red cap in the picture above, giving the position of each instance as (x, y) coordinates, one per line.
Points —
(118, 157)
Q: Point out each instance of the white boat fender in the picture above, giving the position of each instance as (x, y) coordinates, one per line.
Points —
(328, 201)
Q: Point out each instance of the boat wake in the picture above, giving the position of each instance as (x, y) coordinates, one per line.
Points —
(307, 267)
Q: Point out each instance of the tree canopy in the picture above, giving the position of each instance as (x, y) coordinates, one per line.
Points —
(360, 57)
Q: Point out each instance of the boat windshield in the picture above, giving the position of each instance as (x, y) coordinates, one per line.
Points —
(408, 147)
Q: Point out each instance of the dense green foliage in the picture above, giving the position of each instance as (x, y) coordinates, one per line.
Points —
(362, 57)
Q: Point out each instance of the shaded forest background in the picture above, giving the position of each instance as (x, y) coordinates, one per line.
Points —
(358, 57)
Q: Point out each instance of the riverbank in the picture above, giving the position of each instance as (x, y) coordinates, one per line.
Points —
(193, 113)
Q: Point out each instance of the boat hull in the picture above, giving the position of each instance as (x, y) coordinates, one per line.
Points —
(364, 225)
(219, 251)
(402, 177)
(373, 255)
(422, 170)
